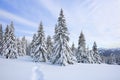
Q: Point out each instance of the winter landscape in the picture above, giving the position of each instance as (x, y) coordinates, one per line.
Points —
(62, 46)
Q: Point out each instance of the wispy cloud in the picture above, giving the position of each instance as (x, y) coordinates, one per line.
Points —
(16, 18)
(51, 6)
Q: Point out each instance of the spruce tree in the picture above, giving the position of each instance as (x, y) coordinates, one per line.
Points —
(24, 45)
(28, 48)
(90, 55)
(96, 54)
(40, 52)
(62, 53)
(9, 46)
(113, 58)
(6, 35)
(73, 49)
(49, 46)
(5, 40)
(32, 46)
(56, 29)
(19, 47)
(81, 55)
(1, 39)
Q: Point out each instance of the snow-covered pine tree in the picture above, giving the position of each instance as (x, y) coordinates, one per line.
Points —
(90, 55)
(81, 54)
(96, 54)
(28, 48)
(40, 52)
(5, 40)
(49, 45)
(32, 46)
(24, 45)
(113, 58)
(19, 47)
(73, 49)
(6, 35)
(118, 59)
(62, 53)
(1, 38)
(9, 46)
(55, 31)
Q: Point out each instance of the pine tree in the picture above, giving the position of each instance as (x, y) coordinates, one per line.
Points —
(9, 46)
(90, 56)
(55, 31)
(28, 49)
(81, 55)
(62, 53)
(5, 40)
(24, 45)
(6, 34)
(32, 45)
(113, 58)
(40, 52)
(56, 28)
(1, 39)
(96, 54)
(73, 49)
(118, 59)
(49, 46)
(19, 47)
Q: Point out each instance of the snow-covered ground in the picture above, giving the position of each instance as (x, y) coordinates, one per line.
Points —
(24, 69)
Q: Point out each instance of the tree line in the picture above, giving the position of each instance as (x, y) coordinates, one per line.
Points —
(56, 50)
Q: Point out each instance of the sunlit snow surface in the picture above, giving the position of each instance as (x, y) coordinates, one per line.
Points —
(23, 69)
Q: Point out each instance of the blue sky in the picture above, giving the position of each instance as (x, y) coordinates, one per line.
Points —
(98, 19)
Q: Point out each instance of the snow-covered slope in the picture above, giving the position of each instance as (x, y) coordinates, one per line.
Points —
(22, 69)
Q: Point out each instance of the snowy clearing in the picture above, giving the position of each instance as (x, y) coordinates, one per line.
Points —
(22, 69)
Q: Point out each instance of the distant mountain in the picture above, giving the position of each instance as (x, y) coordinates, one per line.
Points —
(110, 56)
(107, 52)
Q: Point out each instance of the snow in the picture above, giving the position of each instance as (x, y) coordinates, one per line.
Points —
(24, 69)
(37, 74)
